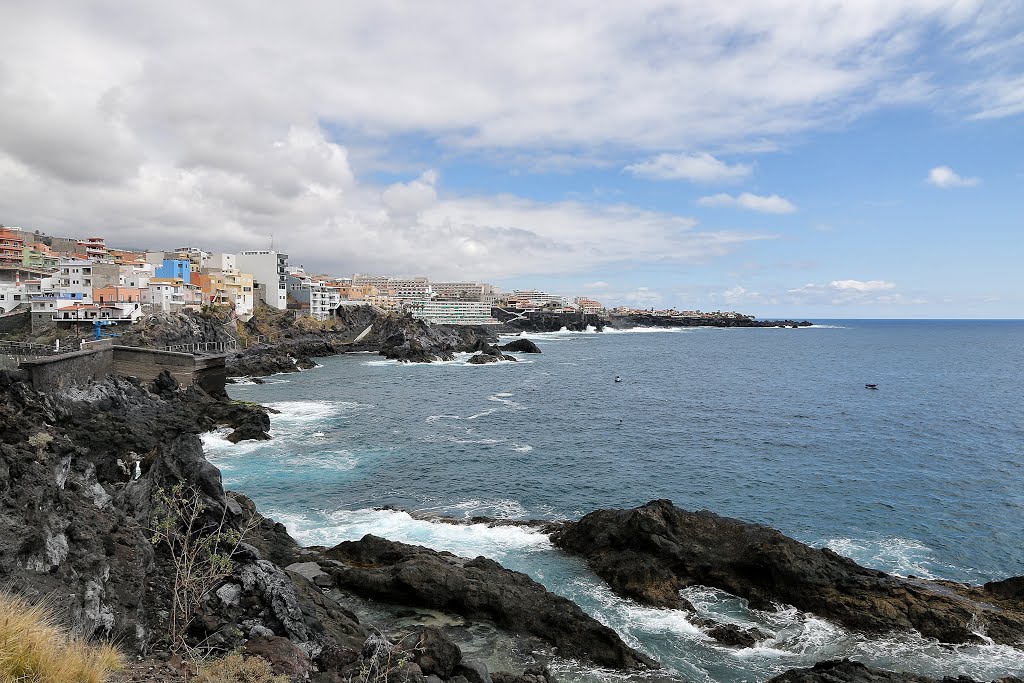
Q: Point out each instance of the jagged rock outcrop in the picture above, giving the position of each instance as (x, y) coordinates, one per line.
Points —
(521, 346)
(394, 572)
(846, 671)
(649, 553)
(486, 353)
(81, 476)
(189, 327)
(651, 320)
(513, 322)
(414, 341)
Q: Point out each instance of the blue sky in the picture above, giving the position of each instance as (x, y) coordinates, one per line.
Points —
(779, 158)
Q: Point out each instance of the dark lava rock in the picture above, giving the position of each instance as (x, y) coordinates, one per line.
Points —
(478, 589)
(282, 654)
(649, 553)
(535, 674)
(736, 636)
(521, 346)
(488, 354)
(845, 671)
(436, 653)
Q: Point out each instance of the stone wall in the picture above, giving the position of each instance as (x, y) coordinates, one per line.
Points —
(54, 373)
(15, 322)
(147, 364)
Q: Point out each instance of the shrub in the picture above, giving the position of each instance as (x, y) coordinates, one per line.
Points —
(201, 553)
(34, 648)
(234, 669)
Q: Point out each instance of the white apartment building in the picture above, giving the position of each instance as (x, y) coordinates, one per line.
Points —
(587, 305)
(324, 300)
(172, 295)
(12, 295)
(402, 288)
(268, 268)
(539, 299)
(466, 291)
(441, 312)
(75, 275)
(220, 262)
(135, 276)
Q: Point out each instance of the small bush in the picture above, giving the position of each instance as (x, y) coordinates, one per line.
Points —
(234, 669)
(34, 648)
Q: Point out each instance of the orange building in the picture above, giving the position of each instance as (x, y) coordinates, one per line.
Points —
(12, 246)
(116, 294)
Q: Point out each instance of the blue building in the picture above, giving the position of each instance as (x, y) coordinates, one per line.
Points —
(175, 268)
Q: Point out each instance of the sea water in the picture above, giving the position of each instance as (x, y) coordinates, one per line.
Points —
(923, 476)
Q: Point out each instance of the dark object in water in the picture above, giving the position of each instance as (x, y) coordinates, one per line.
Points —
(870, 386)
(617, 378)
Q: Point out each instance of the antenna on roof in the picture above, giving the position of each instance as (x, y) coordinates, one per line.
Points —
(271, 241)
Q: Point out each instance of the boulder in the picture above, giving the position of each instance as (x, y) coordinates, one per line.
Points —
(521, 345)
(649, 553)
(436, 653)
(282, 654)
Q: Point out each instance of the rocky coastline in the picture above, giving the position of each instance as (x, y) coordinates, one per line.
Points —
(81, 480)
(623, 322)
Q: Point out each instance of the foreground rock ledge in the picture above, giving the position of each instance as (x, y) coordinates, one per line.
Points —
(651, 552)
(395, 572)
(845, 671)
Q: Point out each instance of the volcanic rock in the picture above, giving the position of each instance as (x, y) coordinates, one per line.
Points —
(649, 553)
(521, 345)
(478, 589)
(846, 671)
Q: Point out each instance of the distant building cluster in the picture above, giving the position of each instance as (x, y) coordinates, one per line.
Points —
(65, 280)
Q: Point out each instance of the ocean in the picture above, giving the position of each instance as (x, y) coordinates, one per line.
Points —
(923, 476)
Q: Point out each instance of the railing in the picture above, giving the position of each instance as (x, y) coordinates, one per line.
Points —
(203, 347)
(14, 348)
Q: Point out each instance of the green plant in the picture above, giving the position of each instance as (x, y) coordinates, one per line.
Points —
(235, 669)
(201, 554)
(34, 648)
(386, 660)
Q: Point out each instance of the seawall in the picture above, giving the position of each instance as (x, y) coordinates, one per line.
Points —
(53, 373)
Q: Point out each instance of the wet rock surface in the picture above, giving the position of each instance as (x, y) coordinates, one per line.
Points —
(488, 354)
(846, 671)
(521, 346)
(480, 588)
(649, 553)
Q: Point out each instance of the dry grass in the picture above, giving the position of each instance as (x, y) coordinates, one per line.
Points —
(234, 669)
(34, 648)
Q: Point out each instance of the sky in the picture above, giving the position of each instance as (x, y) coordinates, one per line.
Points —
(779, 158)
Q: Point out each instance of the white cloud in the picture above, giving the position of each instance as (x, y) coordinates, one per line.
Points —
(862, 285)
(851, 292)
(699, 167)
(318, 211)
(765, 204)
(163, 123)
(944, 176)
(600, 284)
(408, 199)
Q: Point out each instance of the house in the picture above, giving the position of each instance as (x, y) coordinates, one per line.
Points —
(12, 246)
(269, 271)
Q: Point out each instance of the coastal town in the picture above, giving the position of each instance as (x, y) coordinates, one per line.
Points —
(71, 281)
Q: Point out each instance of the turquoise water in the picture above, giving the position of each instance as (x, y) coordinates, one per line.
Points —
(924, 476)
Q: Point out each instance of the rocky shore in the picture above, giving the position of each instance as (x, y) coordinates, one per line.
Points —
(622, 322)
(649, 553)
(83, 484)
